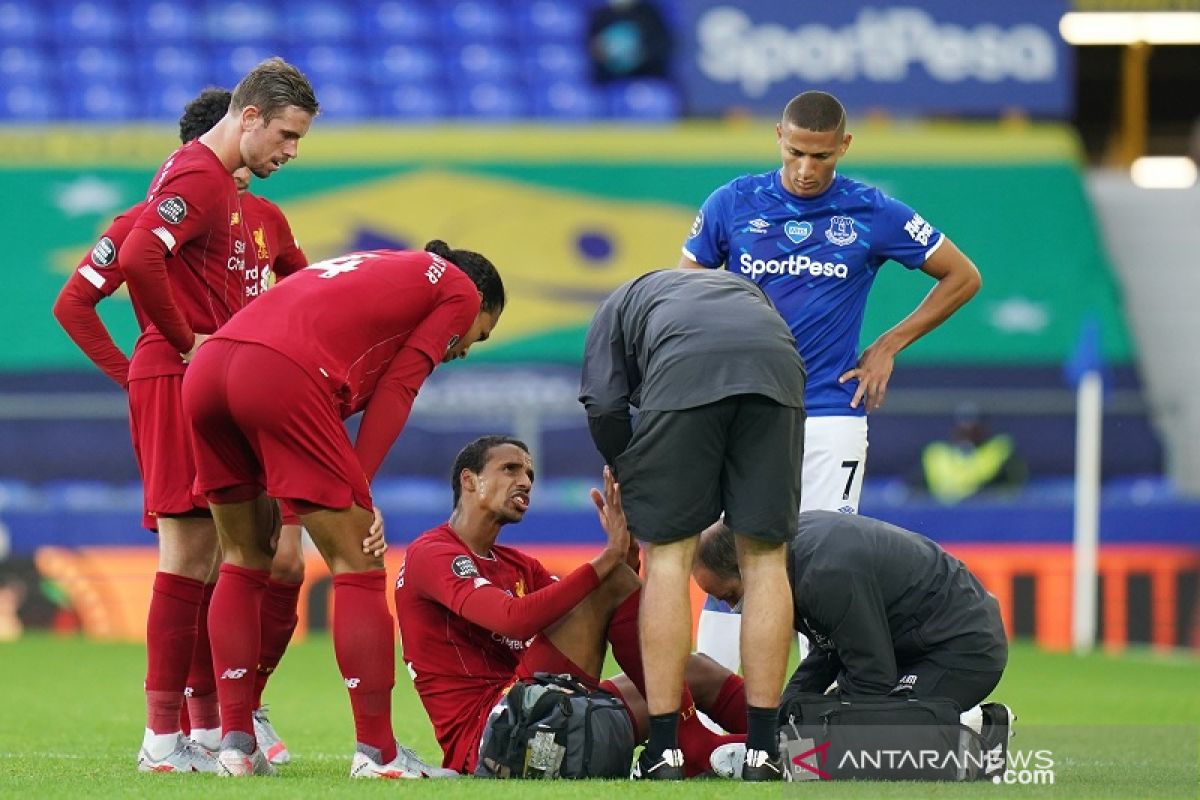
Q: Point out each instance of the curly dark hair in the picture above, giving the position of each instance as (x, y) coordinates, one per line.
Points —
(200, 115)
(478, 268)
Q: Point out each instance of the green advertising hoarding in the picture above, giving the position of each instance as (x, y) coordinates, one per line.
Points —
(568, 214)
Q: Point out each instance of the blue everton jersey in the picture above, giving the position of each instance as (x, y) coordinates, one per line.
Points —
(816, 258)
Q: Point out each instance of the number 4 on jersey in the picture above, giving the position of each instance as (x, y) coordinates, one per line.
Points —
(337, 266)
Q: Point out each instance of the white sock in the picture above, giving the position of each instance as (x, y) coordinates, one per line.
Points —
(805, 645)
(973, 719)
(208, 738)
(719, 637)
(160, 745)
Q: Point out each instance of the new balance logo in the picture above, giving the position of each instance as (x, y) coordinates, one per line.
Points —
(908, 680)
(352, 683)
(234, 674)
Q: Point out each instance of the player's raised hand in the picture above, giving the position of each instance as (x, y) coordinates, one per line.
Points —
(612, 516)
(873, 372)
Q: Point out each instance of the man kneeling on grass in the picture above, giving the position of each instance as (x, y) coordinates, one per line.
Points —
(476, 616)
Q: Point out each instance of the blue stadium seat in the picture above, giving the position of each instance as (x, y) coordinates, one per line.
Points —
(476, 20)
(393, 64)
(241, 21)
(399, 21)
(172, 63)
(647, 100)
(230, 63)
(77, 21)
(479, 61)
(166, 21)
(416, 102)
(23, 21)
(319, 21)
(568, 100)
(551, 21)
(25, 63)
(31, 101)
(330, 63)
(343, 102)
(164, 100)
(552, 60)
(102, 102)
(94, 63)
(490, 100)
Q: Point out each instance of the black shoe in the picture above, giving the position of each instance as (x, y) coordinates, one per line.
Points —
(761, 766)
(997, 729)
(668, 767)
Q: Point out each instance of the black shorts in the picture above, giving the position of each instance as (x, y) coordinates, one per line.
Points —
(740, 455)
(967, 687)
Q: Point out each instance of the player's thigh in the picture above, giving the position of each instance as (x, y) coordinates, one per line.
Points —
(670, 474)
(760, 482)
(162, 444)
(835, 461)
(222, 452)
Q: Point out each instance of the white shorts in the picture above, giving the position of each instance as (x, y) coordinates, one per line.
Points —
(835, 458)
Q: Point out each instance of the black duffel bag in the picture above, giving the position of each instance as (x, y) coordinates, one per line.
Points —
(891, 737)
(552, 726)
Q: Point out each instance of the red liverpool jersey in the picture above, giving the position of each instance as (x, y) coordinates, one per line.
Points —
(272, 246)
(459, 668)
(345, 319)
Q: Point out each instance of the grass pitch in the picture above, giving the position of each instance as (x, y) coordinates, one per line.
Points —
(71, 719)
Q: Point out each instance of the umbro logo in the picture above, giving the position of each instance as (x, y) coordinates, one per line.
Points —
(759, 225)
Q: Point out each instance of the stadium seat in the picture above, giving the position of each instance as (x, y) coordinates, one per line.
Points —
(555, 61)
(476, 21)
(480, 61)
(326, 63)
(397, 21)
(568, 100)
(172, 63)
(241, 21)
(343, 102)
(23, 21)
(317, 21)
(551, 21)
(490, 100)
(25, 63)
(102, 102)
(230, 63)
(165, 100)
(415, 102)
(393, 64)
(32, 101)
(646, 100)
(94, 64)
(77, 21)
(164, 21)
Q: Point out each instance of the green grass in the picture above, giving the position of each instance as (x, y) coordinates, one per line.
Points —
(71, 719)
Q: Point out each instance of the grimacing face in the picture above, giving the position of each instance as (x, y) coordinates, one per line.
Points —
(267, 145)
(809, 158)
(480, 331)
(504, 484)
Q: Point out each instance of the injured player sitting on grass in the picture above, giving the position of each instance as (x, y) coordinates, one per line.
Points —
(476, 616)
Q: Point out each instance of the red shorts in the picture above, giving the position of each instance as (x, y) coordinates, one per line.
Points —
(163, 446)
(542, 656)
(258, 419)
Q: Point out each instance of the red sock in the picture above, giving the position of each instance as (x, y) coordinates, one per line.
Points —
(234, 632)
(623, 636)
(278, 622)
(201, 709)
(170, 637)
(696, 741)
(366, 654)
(729, 709)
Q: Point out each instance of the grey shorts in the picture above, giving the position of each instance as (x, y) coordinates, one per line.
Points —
(738, 456)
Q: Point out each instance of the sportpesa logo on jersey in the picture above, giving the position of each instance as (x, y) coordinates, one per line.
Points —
(792, 265)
